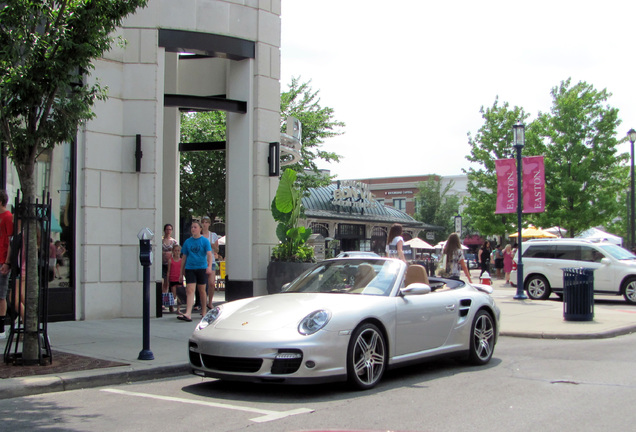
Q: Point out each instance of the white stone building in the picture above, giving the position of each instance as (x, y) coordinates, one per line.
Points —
(179, 55)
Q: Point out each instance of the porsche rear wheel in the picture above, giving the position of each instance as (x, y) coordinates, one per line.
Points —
(482, 339)
(366, 357)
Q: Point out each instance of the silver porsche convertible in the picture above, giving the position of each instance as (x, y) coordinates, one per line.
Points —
(346, 319)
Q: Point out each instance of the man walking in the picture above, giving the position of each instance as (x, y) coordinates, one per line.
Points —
(6, 231)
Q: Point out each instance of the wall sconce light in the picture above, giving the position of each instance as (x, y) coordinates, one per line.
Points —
(274, 159)
(138, 153)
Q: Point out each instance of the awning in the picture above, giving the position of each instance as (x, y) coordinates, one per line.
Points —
(55, 225)
(533, 232)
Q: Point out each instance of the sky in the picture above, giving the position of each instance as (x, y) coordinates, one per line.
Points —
(408, 77)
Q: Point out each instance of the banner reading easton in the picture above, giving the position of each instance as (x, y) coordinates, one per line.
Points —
(533, 184)
(506, 170)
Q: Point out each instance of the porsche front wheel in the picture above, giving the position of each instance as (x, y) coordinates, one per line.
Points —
(366, 357)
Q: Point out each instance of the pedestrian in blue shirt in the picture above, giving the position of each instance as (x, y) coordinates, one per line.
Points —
(196, 266)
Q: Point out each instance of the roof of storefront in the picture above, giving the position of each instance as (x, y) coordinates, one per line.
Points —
(319, 205)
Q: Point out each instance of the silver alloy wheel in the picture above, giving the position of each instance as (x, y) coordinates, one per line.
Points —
(367, 357)
(483, 337)
(630, 291)
(537, 288)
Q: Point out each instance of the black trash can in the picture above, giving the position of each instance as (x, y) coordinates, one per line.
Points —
(578, 294)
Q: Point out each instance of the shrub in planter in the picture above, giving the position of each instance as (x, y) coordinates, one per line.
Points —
(293, 248)
(286, 210)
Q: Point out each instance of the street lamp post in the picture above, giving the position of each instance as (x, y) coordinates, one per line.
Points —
(458, 224)
(519, 141)
(631, 135)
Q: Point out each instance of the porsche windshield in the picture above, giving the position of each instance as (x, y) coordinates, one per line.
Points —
(352, 276)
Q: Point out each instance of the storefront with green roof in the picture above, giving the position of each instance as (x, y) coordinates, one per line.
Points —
(348, 213)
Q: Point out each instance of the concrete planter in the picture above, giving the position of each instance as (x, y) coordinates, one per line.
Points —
(281, 272)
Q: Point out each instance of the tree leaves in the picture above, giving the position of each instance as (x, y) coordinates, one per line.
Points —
(492, 141)
(46, 48)
(318, 123)
(436, 206)
(202, 173)
(585, 176)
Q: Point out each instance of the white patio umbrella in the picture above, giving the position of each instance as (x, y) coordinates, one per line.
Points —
(441, 245)
(556, 230)
(418, 243)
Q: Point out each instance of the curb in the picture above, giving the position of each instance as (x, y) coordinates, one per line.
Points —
(574, 336)
(33, 385)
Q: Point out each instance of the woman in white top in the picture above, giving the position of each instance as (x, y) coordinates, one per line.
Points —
(455, 261)
(395, 239)
(214, 243)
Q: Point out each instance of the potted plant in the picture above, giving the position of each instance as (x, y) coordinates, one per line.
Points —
(292, 256)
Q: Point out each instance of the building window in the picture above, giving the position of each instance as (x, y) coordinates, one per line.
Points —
(399, 203)
(320, 228)
(351, 231)
(378, 240)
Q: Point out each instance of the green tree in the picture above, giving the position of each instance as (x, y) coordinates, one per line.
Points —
(436, 206)
(318, 123)
(493, 141)
(620, 225)
(584, 172)
(202, 173)
(46, 49)
(585, 176)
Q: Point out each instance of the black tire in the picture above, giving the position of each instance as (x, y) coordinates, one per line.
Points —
(366, 357)
(537, 287)
(482, 339)
(629, 291)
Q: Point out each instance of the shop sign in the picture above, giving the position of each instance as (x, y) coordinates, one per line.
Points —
(353, 194)
(400, 192)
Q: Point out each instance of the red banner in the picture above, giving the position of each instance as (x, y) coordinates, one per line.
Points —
(533, 184)
(506, 186)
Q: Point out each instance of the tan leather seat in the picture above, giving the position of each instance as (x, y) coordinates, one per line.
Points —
(416, 274)
(364, 275)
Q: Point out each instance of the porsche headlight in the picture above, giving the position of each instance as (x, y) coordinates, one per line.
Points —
(209, 318)
(313, 322)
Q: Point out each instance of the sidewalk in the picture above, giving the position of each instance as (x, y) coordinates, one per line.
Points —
(121, 340)
(118, 340)
(544, 319)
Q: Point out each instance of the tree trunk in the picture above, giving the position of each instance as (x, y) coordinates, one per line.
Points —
(30, 351)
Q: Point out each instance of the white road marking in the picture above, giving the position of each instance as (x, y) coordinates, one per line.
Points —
(268, 415)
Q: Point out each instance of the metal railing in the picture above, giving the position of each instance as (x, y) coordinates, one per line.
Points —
(27, 218)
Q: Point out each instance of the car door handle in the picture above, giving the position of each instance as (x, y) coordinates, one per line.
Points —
(450, 308)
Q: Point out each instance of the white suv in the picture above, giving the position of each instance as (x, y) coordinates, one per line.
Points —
(544, 259)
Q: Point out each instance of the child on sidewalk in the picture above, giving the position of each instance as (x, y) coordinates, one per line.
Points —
(175, 279)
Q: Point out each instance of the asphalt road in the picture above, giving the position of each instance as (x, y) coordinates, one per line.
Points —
(531, 384)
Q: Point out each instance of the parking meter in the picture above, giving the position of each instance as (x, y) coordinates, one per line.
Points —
(145, 248)
(145, 258)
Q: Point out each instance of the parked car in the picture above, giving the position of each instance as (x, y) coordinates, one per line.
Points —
(357, 254)
(471, 260)
(544, 259)
(346, 319)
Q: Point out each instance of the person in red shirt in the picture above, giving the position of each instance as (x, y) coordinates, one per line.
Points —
(6, 231)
